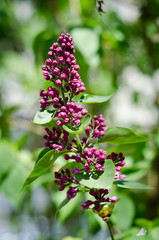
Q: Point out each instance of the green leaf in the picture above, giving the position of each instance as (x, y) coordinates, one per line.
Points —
(81, 127)
(124, 221)
(43, 116)
(131, 184)
(103, 180)
(88, 98)
(42, 153)
(43, 165)
(86, 38)
(120, 135)
(71, 165)
(62, 204)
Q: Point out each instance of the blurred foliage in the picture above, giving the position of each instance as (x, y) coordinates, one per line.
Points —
(127, 34)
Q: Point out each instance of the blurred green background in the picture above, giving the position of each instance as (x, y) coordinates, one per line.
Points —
(118, 54)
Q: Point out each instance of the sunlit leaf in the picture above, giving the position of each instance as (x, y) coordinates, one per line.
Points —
(62, 204)
(81, 127)
(131, 184)
(88, 98)
(42, 153)
(102, 180)
(87, 42)
(43, 165)
(120, 135)
(43, 116)
(127, 218)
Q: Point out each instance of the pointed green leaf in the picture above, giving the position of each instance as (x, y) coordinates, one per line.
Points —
(43, 116)
(120, 135)
(42, 153)
(81, 127)
(62, 204)
(43, 165)
(103, 180)
(71, 165)
(88, 98)
(131, 184)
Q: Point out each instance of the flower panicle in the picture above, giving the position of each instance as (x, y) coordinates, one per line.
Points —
(61, 70)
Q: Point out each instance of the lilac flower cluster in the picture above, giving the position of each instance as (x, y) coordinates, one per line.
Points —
(50, 97)
(62, 71)
(91, 158)
(99, 195)
(61, 67)
(119, 162)
(65, 179)
(96, 129)
(70, 112)
(53, 139)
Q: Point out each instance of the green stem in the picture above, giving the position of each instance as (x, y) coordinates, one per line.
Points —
(78, 142)
(110, 230)
(63, 95)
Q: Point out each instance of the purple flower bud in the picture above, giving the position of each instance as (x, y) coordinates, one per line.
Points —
(59, 123)
(76, 67)
(67, 120)
(58, 50)
(60, 59)
(118, 168)
(51, 94)
(63, 76)
(89, 160)
(122, 163)
(54, 62)
(85, 205)
(78, 159)
(48, 61)
(75, 171)
(42, 101)
(79, 116)
(66, 157)
(122, 176)
(55, 100)
(57, 175)
(74, 115)
(50, 53)
(71, 193)
(56, 70)
(101, 133)
(60, 148)
(66, 54)
(79, 108)
(58, 82)
(45, 73)
(62, 187)
(63, 109)
(63, 44)
(112, 199)
(44, 67)
(82, 89)
(76, 121)
(55, 45)
(84, 112)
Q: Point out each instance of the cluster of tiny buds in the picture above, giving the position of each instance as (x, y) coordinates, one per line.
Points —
(61, 67)
(91, 158)
(70, 112)
(97, 129)
(99, 195)
(53, 139)
(66, 113)
(119, 162)
(49, 97)
(65, 179)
